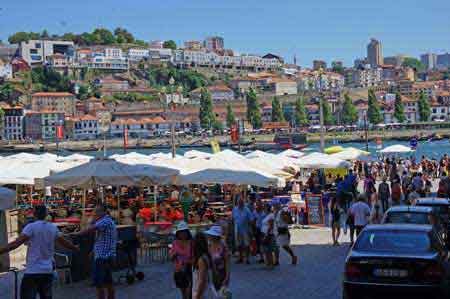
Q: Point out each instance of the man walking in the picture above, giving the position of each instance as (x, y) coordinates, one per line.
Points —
(360, 211)
(104, 252)
(40, 237)
(384, 193)
(242, 218)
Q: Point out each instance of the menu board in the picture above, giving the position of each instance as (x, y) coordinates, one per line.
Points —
(314, 208)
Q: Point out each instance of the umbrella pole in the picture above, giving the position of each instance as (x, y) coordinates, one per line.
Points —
(118, 209)
(155, 198)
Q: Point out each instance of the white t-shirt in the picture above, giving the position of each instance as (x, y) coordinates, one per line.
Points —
(265, 223)
(361, 212)
(41, 247)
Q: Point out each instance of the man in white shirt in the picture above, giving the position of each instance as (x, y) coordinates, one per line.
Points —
(360, 211)
(40, 237)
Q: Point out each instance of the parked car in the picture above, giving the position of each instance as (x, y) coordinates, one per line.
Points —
(415, 215)
(397, 261)
(440, 205)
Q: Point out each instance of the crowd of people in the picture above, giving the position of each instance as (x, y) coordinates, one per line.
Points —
(385, 183)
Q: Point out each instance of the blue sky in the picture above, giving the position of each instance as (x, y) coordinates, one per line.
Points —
(318, 29)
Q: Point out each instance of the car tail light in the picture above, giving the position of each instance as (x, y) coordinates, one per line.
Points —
(434, 272)
(352, 270)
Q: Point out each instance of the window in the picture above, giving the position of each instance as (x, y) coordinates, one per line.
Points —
(37, 45)
(33, 51)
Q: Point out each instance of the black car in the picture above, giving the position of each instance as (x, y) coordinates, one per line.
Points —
(398, 261)
(410, 215)
(440, 205)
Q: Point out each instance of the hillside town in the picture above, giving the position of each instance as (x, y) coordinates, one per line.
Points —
(81, 87)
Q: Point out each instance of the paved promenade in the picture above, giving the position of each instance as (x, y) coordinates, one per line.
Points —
(318, 275)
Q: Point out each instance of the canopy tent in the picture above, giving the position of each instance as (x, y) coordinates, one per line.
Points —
(7, 198)
(333, 149)
(217, 171)
(132, 155)
(322, 161)
(75, 157)
(291, 154)
(197, 154)
(272, 161)
(23, 157)
(24, 172)
(351, 154)
(108, 172)
(398, 148)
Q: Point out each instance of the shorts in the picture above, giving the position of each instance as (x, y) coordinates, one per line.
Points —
(102, 274)
(34, 284)
(242, 240)
(271, 246)
(183, 279)
(284, 240)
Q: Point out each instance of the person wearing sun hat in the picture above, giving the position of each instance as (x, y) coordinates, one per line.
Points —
(220, 258)
(182, 256)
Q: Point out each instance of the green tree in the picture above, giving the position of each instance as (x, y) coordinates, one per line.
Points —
(231, 119)
(424, 107)
(349, 112)
(328, 118)
(103, 36)
(253, 109)
(413, 63)
(399, 109)
(45, 79)
(170, 44)
(277, 111)
(206, 114)
(19, 37)
(337, 68)
(83, 92)
(217, 125)
(44, 34)
(300, 114)
(2, 114)
(6, 92)
(123, 36)
(373, 110)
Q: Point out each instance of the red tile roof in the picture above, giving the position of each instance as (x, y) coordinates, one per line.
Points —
(52, 94)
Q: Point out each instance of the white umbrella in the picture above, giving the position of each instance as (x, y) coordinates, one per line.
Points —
(7, 198)
(75, 157)
(23, 157)
(291, 154)
(351, 154)
(108, 172)
(228, 167)
(398, 148)
(322, 161)
(197, 154)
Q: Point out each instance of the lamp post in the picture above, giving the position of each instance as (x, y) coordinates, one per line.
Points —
(172, 125)
(322, 133)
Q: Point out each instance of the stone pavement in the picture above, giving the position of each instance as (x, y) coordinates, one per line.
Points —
(318, 275)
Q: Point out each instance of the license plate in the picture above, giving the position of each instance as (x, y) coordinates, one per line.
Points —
(390, 273)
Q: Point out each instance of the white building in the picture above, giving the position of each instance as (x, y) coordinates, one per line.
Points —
(156, 44)
(367, 77)
(85, 128)
(13, 123)
(115, 53)
(204, 58)
(137, 54)
(38, 51)
(5, 70)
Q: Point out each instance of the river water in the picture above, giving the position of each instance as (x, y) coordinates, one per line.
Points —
(430, 149)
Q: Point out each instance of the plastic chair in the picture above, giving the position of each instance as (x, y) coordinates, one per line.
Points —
(63, 266)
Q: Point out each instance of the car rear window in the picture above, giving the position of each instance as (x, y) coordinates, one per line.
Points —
(408, 217)
(394, 242)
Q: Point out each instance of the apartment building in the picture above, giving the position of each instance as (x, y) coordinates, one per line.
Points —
(13, 123)
(137, 54)
(85, 127)
(54, 101)
(37, 52)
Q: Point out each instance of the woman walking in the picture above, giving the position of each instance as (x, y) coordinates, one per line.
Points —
(202, 287)
(220, 259)
(182, 255)
(335, 221)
